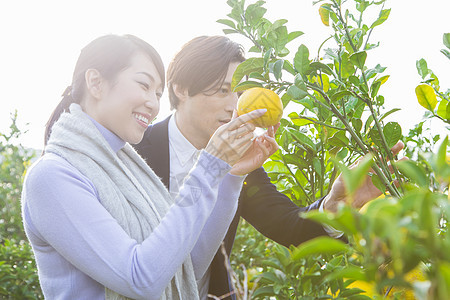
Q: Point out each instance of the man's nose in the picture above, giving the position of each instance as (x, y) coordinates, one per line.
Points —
(232, 102)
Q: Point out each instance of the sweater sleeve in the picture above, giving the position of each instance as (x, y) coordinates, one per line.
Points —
(65, 212)
(217, 225)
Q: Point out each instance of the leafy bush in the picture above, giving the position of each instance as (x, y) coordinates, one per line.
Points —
(18, 273)
(340, 117)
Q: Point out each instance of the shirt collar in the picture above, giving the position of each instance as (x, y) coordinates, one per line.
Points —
(184, 150)
(115, 142)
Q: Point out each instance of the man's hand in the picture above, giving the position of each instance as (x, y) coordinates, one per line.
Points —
(365, 193)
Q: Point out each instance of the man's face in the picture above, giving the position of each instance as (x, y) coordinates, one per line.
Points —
(200, 115)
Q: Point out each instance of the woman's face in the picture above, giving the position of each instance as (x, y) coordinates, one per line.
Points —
(129, 104)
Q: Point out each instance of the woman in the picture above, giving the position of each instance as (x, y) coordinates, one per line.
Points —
(102, 225)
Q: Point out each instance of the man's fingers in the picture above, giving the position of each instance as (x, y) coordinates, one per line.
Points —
(272, 142)
(397, 147)
(275, 128)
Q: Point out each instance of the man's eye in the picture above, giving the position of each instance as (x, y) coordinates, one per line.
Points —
(159, 95)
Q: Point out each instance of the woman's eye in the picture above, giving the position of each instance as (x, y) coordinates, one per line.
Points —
(224, 91)
(159, 95)
(146, 86)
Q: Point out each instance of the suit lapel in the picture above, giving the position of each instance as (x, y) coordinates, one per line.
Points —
(154, 149)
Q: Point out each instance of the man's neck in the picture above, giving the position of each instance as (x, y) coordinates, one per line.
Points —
(189, 133)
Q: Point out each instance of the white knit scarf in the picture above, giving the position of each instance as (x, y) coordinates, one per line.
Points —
(128, 188)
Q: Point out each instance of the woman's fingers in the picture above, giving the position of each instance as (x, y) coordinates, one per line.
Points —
(239, 121)
(235, 114)
(244, 129)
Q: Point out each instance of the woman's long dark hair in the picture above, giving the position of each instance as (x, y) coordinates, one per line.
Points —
(109, 55)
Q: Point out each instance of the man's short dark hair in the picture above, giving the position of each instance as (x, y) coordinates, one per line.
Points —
(202, 65)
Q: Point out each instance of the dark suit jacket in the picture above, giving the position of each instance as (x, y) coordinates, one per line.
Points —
(269, 211)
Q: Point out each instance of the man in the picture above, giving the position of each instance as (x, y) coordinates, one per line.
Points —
(199, 85)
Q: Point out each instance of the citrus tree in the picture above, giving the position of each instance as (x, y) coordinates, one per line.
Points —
(339, 118)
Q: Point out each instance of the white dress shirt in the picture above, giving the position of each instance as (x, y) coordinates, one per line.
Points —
(183, 155)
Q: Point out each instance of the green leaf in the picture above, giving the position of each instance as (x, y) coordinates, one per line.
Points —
(354, 80)
(413, 171)
(439, 162)
(446, 53)
(324, 12)
(254, 49)
(382, 80)
(422, 67)
(253, 64)
(347, 68)
(296, 93)
(299, 121)
(254, 13)
(392, 133)
(319, 245)
(265, 291)
(376, 181)
(277, 67)
(339, 139)
(320, 66)
(350, 272)
(278, 23)
(288, 67)
(368, 123)
(337, 96)
(245, 85)
(276, 167)
(372, 72)
(362, 5)
(256, 75)
(357, 124)
(375, 136)
(374, 88)
(302, 138)
(426, 96)
(317, 166)
(358, 59)
(227, 23)
(301, 59)
(446, 40)
(383, 116)
(353, 178)
(443, 110)
(229, 31)
(293, 35)
(384, 14)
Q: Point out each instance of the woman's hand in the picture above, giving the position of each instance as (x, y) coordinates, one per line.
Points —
(261, 149)
(231, 141)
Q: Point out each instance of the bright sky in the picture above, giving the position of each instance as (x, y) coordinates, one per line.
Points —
(41, 41)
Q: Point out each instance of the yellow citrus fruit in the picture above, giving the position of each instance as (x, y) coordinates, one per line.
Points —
(256, 98)
(415, 275)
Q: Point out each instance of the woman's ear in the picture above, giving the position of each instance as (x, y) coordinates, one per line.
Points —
(94, 83)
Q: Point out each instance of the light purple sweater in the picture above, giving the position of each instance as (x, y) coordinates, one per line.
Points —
(80, 248)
